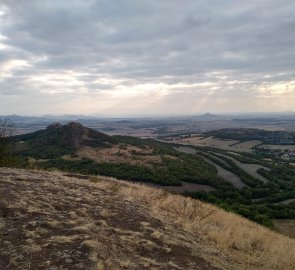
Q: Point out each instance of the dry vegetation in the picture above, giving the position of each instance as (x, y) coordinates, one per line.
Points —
(120, 154)
(58, 221)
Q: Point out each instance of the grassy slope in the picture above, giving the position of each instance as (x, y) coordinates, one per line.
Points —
(118, 225)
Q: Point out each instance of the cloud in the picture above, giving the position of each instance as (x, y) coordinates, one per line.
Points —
(201, 55)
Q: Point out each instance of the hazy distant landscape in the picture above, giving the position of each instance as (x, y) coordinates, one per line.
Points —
(161, 126)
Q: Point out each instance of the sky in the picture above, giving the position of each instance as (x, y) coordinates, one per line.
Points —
(149, 57)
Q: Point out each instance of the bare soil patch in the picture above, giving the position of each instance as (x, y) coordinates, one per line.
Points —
(186, 186)
(285, 226)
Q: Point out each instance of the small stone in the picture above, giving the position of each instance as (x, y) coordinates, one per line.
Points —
(68, 261)
(66, 256)
(79, 265)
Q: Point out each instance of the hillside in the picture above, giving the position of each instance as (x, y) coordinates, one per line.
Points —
(73, 147)
(66, 221)
(57, 140)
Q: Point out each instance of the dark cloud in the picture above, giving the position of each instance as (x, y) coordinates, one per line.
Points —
(87, 47)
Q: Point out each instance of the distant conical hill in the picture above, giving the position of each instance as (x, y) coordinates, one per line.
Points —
(209, 116)
(57, 140)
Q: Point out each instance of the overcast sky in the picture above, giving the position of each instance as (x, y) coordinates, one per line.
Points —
(149, 57)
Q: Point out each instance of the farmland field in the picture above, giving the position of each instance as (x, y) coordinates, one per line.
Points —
(279, 147)
(246, 146)
(229, 145)
(225, 174)
(199, 140)
(249, 168)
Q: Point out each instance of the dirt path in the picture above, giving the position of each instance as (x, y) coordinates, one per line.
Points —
(52, 221)
(285, 201)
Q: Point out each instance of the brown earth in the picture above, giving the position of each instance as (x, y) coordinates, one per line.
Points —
(285, 226)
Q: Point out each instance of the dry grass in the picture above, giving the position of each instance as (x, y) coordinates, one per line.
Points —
(63, 239)
(118, 154)
(250, 243)
(100, 266)
(112, 223)
(32, 248)
(91, 243)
